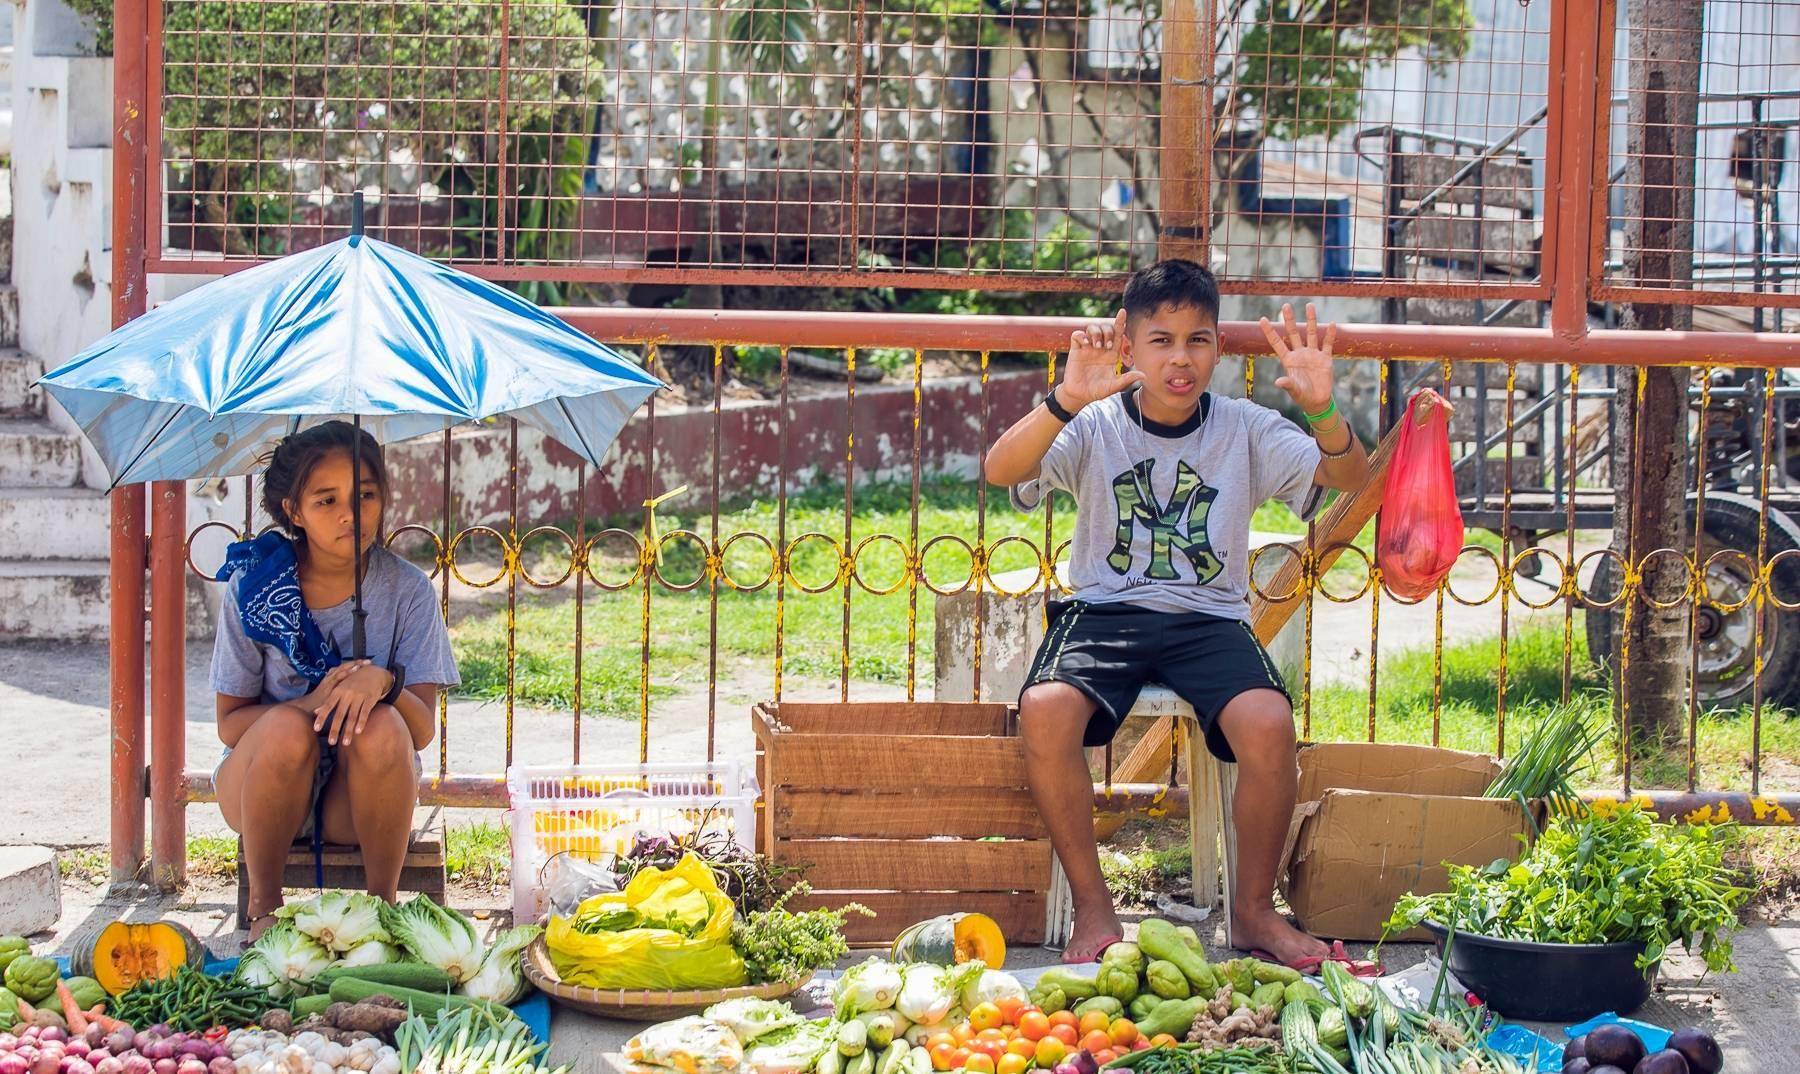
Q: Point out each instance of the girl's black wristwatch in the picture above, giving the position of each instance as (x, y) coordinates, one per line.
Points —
(1056, 409)
(398, 671)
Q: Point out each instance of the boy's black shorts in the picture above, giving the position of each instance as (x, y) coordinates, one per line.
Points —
(1109, 651)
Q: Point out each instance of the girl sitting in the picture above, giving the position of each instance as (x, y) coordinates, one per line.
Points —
(317, 744)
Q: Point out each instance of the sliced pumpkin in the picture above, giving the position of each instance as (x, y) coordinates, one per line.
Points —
(951, 940)
(119, 954)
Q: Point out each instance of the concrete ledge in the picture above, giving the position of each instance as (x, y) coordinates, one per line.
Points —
(30, 898)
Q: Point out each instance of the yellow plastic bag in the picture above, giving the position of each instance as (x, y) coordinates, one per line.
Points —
(696, 954)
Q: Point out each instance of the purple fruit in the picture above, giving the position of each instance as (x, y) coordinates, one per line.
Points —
(1700, 1050)
(1576, 1048)
(1577, 1065)
(1607, 1068)
(1613, 1045)
(1663, 1062)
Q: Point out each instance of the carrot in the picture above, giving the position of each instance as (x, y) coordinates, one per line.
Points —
(103, 1021)
(72, 1011)
(27, 1013)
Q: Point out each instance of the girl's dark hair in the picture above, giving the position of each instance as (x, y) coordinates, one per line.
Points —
(293, 460)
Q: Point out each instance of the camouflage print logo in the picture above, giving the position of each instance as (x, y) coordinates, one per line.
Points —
(1179, 525)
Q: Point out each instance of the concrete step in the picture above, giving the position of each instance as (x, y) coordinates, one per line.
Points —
(37, 524)
(6, 222)
(36, 454)
(51, 599)
(18, 399)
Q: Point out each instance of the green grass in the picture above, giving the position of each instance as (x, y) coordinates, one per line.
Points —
(1465, 710)
(478, 854)
(1136, 876)
(212, 856)
(90, 864)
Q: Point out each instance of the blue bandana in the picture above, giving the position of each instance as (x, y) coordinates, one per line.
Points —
(267, 588)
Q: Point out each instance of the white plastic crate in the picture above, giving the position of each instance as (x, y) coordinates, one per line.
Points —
(597, 810)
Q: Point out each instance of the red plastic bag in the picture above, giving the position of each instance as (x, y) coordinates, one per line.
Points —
(1421, 529)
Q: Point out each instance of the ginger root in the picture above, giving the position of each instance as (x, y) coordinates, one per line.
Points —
(1218, 1026)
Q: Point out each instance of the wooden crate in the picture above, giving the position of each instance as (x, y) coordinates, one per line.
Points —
(913, 809)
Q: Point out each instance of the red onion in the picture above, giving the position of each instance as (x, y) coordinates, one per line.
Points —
(159, 1050)
(77, 1065)
(94, 1034)
(47, 1062)
(14, 1063)
(191, 1066)
(109, 1065)
(163, 1066)
(78, 1048)
(221, 1065)
(136, 1064)
(8, 1042)
(53, 1033)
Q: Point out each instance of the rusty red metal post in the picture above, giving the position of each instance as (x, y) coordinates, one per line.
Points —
(168, 682)
(125, 589)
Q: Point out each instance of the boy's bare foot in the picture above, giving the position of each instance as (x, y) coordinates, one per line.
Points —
(1093, 930)
(1266, 930)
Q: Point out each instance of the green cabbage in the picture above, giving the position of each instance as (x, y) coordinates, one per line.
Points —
(371, 953)
(282, 960)
(500, 978)
(872, 986)
(443, 938)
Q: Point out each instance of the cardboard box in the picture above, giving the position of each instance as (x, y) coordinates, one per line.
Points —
(1378, 820)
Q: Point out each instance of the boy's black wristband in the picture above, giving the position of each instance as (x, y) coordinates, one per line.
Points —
(1056, 409)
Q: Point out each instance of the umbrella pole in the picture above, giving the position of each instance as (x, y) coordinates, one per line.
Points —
(358, 639)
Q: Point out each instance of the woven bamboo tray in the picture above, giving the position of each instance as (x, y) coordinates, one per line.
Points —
(638, 1006)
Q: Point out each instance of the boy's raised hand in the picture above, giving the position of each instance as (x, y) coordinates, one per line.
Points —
(1092, 371)
(1305, 359)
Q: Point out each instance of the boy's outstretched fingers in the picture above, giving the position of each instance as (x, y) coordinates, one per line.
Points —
(1274, 338)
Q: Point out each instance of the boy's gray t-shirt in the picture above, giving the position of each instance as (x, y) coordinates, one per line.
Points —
(1163, 512)
(404, 626)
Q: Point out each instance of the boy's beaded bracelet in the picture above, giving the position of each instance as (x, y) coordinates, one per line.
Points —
(1348, 444)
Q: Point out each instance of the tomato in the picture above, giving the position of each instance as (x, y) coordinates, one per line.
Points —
(1105, 1056)
(1066, 1033)
(1021, 1046)
(993, 1049)
(985, 1016)
(1009, 1007)
(959, 1058)
(1123, 1032)
(1034, 1025)
(1064, 1018)
(1096, 1040)
(1012, 1064)
(963, 1033)
(998, 1036)
(936, 1039)
(1163, 1040)
(1140, 1044)
(979, 1064)
(1095, 1020)
(1050, 1052)
(943, 1055)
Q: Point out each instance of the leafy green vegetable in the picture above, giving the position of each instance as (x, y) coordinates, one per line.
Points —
(443, 938)
(779, 945)
(1554, 752)
(341, 920)
(500, 978)
(1612, 878)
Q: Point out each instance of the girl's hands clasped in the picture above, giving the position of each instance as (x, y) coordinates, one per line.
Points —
(348, 693)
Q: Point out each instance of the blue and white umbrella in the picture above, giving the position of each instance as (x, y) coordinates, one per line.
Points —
(202, 386)
(205, 385)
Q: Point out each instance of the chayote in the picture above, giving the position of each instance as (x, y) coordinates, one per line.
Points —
(1112, 1007)
(9, 1009)
(1166, 980)
(1118, 981)
(1074, 986)
(1126, 954)
(1161, 940)
(12, 947)
(1140, 1008)
(31, 978)
(1049, 1000)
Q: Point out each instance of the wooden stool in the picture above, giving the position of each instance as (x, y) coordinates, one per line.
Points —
(1211, 838)
(422, 872)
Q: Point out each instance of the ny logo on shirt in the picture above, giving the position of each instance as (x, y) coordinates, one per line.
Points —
(1179, 525)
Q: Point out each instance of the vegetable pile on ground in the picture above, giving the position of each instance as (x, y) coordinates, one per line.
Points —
(1614, 1047)
(31, 982)
(1351, 1025)
(1599, 878)
(675, 929)
(423, 946)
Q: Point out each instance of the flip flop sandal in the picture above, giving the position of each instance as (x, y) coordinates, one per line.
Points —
(1309, 964)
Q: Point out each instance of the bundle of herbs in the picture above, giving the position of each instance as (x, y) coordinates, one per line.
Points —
(1612, 877)
(751, 881)
(777, 944)
(1554, 751)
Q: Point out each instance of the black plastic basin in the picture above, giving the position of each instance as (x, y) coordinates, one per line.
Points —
(1549, 982)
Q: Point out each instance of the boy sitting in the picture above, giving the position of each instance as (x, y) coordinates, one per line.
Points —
(1165, 477)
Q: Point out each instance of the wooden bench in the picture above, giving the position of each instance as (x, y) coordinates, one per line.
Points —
(422, 872)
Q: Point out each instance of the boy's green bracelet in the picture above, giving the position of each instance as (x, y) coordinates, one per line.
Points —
(1330, 409)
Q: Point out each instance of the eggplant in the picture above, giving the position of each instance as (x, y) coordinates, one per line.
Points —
(1577, 1065)
(1607, 1068)
(1575, 1049)
(1699, 1049)
(1666, 1061)
(1613, 1045)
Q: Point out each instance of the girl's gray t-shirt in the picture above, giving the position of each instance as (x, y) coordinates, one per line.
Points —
(405, 626)
(1163, 512)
